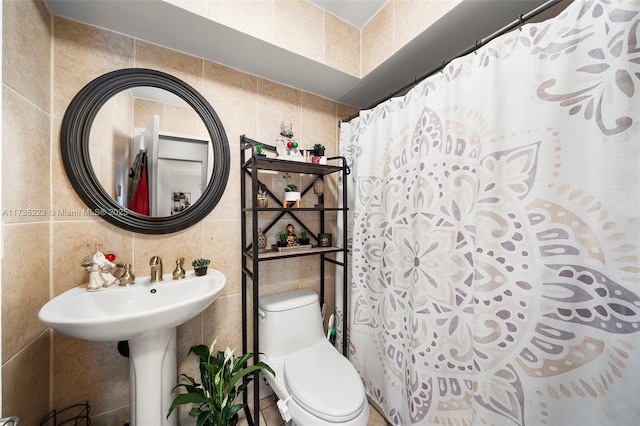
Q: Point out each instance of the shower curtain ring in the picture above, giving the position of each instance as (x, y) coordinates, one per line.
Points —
(476, 50)
(521, 21)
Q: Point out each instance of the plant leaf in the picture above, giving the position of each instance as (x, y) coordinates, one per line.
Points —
(186, 398)
(240, 374)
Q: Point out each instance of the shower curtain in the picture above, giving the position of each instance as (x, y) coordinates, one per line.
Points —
(494, 231)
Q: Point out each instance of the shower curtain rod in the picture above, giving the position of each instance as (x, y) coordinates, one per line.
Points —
(478, 43)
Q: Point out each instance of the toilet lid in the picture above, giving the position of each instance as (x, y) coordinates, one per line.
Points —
(324, 383)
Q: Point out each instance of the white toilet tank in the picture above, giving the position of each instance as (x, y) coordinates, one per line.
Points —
(288, 322)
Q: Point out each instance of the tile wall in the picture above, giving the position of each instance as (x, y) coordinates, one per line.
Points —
(46, 60)
(304, 28)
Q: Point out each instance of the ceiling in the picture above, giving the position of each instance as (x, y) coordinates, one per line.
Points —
(355, 12)
(162, 23)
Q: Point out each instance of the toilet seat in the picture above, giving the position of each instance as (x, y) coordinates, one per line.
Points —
(324, 383)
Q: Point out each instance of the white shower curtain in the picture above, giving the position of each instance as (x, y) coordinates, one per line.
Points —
(494, 228)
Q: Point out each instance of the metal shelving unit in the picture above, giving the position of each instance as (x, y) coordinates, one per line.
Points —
(251, 169)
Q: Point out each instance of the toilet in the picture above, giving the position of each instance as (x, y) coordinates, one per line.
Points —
(315, 384)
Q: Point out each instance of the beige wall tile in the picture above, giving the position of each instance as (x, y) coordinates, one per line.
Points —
(298, 27)
(25, 284)
(82, 53)
(25, 382)
(253, 17)
(221, 244)
(26, 132)
(65, 203)
(185, 67)
(345, 111)
(377, 39)
(229, 205)
(221, 321)
(411, 17)
(318, 123)
(144, 109)
(186, 243)
(234, 97)
(72, 241)
(26, 27)
(341, 45)
(88, 371)
(275, 103)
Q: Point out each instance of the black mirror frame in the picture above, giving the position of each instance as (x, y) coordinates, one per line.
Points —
(74, 147)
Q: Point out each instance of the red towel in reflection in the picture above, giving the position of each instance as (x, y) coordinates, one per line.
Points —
(140, 199)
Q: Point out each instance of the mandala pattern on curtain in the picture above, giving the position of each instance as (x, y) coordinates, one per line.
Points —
(495, 227)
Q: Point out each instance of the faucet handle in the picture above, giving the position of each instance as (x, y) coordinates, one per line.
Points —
(127, 277)
(179, 273)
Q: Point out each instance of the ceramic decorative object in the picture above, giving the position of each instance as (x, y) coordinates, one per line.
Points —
(287, 143)
(263, 202)
(324, 240)
(262, 241)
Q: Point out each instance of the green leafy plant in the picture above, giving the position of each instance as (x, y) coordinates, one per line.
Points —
(200, 263)
(291, 187)
(318, 149)
(282, 237)
(221, 383)
(260, 149)
(304, 237)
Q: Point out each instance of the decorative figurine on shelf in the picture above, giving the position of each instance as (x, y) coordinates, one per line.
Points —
(262, 241)
(292, 240)
(263, 201)
(287, 144)
(99, 266)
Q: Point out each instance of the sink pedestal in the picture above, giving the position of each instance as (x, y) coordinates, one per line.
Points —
(153, 374)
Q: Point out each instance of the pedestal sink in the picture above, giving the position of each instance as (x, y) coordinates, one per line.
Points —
(146, 314)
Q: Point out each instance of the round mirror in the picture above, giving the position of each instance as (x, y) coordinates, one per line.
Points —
(145, 151)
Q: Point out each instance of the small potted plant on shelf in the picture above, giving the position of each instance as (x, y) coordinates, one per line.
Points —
(303, 239)
(221, 377)
(291, 191)
(260, 151)
(282, 239)
(200, 266)
(318, 150)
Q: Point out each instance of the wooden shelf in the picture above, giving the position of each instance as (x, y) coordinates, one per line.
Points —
(273, 164)
(277, 254)
(294, 209)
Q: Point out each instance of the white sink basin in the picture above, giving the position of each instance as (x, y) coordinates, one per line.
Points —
(124, 313)
(146, 315)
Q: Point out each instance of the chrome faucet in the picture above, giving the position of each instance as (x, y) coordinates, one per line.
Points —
(156, 268)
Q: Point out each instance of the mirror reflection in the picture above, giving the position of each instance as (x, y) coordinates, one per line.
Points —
(151, 151)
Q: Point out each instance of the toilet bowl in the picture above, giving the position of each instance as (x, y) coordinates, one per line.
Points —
(315, 384)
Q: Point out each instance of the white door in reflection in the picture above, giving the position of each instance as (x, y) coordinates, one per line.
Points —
(181, 170)
(179, 183)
